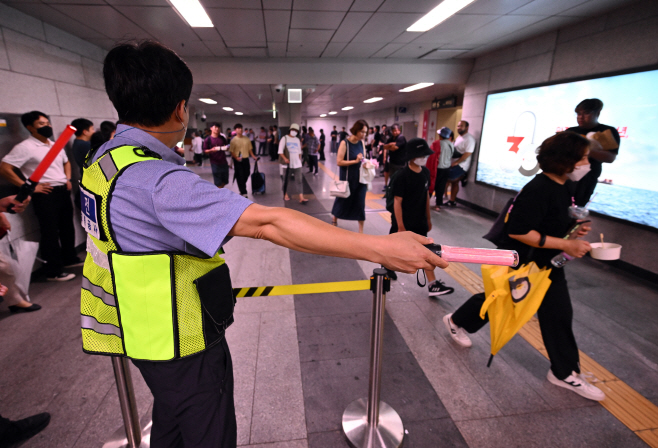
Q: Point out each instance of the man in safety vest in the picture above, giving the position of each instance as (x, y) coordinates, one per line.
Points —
(155, 288)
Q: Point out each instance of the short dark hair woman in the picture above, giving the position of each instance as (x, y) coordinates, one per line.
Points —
(350, 153)
(536, 225)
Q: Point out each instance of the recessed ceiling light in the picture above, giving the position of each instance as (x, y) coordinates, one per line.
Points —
(207, 101)
(294, 95)
(227, 109)
(239, 113)
(348, 108)
(333, 112)
(323, 115)
(420, 85)
(445, 9)
(374, 99)
(192, 12)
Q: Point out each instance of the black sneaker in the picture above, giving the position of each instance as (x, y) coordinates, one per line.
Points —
(451, 204)
(63, 277)
(391, 274)
(437, 288)
(21, 430)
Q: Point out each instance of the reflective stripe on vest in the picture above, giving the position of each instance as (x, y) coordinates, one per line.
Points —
(144, 306)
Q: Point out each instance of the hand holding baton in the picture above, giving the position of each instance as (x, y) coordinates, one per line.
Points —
(479, 256)
(27, 189)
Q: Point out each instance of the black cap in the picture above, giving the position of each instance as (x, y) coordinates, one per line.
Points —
(417, 147)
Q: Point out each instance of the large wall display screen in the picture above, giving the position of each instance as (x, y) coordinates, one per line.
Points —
(516, 122)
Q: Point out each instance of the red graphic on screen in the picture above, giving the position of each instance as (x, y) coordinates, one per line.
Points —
(515, 143)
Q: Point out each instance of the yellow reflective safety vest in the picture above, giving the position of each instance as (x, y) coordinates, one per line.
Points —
(155, 306)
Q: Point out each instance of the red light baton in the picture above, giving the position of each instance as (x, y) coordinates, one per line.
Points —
(27, 189)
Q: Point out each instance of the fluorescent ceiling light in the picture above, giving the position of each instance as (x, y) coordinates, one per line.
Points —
(348, 108)
(193, 13)
(323, 115)
(228, 109)
(374, 99)
(418, 86)
(333, 112)
(445, 9)
(238, 113)
(207, 101)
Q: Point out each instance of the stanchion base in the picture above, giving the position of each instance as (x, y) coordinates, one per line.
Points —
(119, 439)
(388, 434)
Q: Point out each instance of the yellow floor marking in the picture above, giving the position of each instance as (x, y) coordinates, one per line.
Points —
(626, 404)
(327, 171)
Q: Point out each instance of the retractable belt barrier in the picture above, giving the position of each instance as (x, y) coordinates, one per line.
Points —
(308, 288)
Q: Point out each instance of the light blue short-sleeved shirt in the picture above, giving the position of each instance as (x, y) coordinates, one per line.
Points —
(160, 205)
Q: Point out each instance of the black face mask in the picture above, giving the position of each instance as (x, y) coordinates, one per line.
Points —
(45, 131)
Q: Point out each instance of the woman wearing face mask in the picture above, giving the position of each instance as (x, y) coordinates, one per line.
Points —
(535, 228)
(350, 153)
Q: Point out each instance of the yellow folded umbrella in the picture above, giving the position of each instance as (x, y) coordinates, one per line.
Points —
(512, 298)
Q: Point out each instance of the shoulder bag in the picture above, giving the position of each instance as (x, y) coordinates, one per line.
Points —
(340, 188)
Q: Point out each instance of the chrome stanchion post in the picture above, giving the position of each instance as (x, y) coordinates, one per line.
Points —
(127, 401)
(370, 423)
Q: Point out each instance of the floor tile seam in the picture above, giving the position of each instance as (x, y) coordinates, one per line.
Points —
(357, 357)
(521, 414)
(91, 414)
(253, 396)
(272, 443)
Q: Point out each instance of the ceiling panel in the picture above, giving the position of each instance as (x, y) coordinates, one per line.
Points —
(594, 7)
(313, 36)
(547, 7)
(194, 48)
(366, 5)
(277, 49)
(277, 24)
(384, 26)
(207, 33)
(457, 25)
(333, 49)
(159, 21)
(444, 54)
(413, 51)
(85, 2)
(361, 49)
(305, 49)
(246, 44)
(277, 4)
(502, 26)
(324, 5)
(217, 48)
(406, 37)
(56, 18)
(316, 20)
(387, 50)
(106, 20)
(352, 24)
(249, 52)
(238, 24)
(421, 6)
(137, 2)
(239, 4)
(494, 6)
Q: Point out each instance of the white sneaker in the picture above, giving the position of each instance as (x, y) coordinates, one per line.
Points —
(577, 383)
(458, 334)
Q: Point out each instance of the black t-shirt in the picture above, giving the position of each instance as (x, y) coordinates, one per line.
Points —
(343, 135)
(80, 149)
(595, 164)
(322, 138)
(377, 139)
(334, 135)
(543, 205)
(412, 187)
(399, 156)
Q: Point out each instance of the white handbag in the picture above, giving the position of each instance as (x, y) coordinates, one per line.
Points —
(340, 188)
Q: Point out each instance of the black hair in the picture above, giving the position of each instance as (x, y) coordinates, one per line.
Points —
(145, 81)
(107, 127)
(29, 118)
(310, 130)
(395, 126)
(560, 153)
(377, 128)
(237, 126)
(465, 122)
(590, 105)
(81, 125)
(358, 126)
(215, 124)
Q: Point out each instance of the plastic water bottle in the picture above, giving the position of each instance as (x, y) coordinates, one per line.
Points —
(575, 212)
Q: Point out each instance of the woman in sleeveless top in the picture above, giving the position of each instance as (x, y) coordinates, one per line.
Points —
(352, 208)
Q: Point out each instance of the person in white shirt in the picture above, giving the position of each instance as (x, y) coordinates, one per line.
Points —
(51, 198)
(292, 163)
(197, 148)
(465, 145)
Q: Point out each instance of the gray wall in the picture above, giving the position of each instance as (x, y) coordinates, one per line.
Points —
(621, 40)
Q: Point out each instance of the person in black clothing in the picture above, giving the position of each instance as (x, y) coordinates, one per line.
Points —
(535, 228)
(105, 134)
(334, 141)
(322, 141)
(81, 144)
(587, 115)
(342, 135)
(411, 206)
(395, 148)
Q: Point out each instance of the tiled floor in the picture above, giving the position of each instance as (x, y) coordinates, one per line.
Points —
(298, 361)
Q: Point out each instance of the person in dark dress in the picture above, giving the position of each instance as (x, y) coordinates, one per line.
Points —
(538, 220)
(353, 207)
(587, 115)
(322, 142)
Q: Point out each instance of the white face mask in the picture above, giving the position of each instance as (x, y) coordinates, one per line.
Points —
(293, 133)
(421, 161)
(579, 172)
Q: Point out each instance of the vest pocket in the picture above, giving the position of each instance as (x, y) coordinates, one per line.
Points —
(217, 301)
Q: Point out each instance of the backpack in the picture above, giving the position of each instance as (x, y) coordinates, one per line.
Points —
(497, 232)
